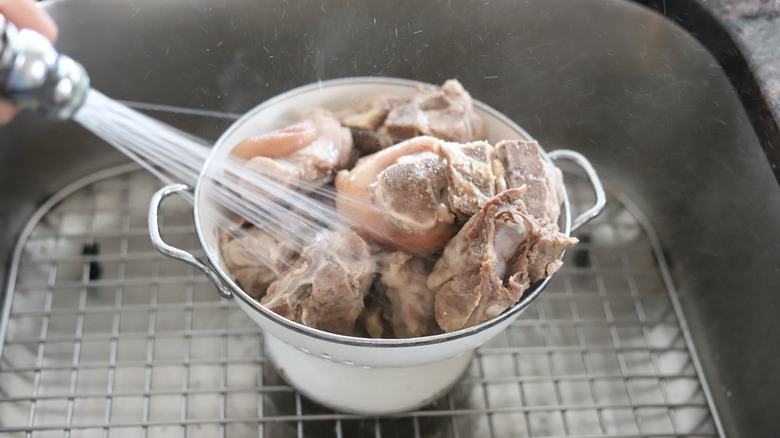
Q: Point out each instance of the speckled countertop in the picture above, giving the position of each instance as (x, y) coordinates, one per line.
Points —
(755, 28)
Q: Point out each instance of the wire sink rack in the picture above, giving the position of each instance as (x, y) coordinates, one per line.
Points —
(101, 336)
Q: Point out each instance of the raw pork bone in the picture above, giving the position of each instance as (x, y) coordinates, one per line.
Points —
(474, 175)
(366, 119)
(312, 151)
(476, 172)
(524, 164)
(395, 197)
(325, 287)
(408, 196)
(403, 279)
(445, 112)
(410, 192)
(253, 256)
(492, 260)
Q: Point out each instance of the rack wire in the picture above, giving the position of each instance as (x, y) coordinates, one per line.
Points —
(101, 336)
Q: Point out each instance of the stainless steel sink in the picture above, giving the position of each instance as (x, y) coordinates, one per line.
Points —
(662, 323)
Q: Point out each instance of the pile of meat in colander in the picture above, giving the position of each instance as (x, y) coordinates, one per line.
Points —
(446, 230)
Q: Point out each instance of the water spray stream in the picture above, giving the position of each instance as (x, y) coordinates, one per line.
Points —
(35, 76)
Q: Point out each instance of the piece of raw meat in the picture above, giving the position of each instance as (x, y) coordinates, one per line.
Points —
(396, 197)
(524, 164)
(409, 192)
(471, 176)
(253, 256)
(308, 153)
(492, 260)
(325, 287)
(367, 118)
(403, 279)
(445, 112)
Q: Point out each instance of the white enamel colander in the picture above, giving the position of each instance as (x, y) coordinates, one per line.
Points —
(359, 375)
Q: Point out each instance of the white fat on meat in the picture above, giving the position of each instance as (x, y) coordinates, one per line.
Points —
(509, 236)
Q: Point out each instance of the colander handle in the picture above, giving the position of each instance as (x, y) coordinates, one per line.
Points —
(171, 251)
(598, 189)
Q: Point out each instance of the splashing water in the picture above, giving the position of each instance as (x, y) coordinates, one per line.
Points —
(170, 154)
(175, 156)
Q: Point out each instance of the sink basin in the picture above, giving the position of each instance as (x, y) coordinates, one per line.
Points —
(663, 324)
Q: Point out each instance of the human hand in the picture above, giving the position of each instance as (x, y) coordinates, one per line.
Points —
(25, 14)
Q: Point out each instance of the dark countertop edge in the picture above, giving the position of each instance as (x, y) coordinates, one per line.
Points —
(717, 25)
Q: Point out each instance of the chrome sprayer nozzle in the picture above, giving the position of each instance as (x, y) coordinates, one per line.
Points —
(33, 75)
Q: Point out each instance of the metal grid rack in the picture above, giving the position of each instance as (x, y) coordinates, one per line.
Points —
(101, 336)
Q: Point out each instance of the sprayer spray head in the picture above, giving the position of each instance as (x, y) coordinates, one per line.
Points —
(34, 76)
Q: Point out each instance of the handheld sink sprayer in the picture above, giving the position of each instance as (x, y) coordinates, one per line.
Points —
(33, 75)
